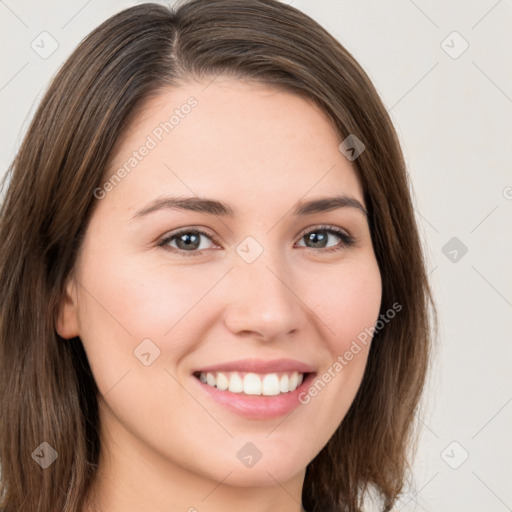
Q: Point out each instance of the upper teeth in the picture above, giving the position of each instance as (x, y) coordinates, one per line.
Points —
(268, 384)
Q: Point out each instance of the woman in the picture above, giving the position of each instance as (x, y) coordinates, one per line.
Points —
(214, 294)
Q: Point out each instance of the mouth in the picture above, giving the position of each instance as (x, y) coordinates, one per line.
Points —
(250, 383)
(256, 389)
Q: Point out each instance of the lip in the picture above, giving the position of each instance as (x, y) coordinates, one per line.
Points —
(260, 366)
(258, 407)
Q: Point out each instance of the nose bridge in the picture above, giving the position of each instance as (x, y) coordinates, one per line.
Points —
(261, 299)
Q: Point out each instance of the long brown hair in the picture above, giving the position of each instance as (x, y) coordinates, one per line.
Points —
(47, 391)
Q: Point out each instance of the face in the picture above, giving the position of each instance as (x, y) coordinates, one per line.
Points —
(242, 285)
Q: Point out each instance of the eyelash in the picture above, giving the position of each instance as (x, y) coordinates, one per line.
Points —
(346, 240)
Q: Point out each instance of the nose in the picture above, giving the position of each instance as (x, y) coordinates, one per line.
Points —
(262, 302)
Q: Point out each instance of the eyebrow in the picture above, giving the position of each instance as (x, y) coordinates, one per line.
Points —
(214, 207)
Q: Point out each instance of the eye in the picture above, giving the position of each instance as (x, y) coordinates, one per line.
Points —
(189, 240)
(322, 236)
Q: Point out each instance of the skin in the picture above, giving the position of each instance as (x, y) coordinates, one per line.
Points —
(165, 444)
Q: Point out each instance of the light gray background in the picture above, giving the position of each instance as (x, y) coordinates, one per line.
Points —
(454, 118)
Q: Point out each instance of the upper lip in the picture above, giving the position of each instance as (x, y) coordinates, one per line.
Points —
(260, 366)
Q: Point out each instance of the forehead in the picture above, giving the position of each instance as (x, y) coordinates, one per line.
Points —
(216, 137)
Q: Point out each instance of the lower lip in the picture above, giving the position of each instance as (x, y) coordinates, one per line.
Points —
(258, 406)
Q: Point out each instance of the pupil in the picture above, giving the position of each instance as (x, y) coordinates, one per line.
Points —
(188, 240)
(318, 239)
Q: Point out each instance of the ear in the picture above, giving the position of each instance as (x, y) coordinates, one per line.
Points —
(67, 319)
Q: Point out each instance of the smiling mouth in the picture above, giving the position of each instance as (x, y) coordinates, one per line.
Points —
(249, 383)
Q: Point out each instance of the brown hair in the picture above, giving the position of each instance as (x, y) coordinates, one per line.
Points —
(47, 391)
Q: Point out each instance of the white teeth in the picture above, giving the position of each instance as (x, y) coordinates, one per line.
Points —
(294, 380)
(269, 384)
(235, 384)
(222, 381)
(210, 379)
(284, 385)
(252, 384)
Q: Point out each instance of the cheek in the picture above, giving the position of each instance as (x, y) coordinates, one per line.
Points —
(140, 299)
(124, 301)
(348, 305)
(347, 300)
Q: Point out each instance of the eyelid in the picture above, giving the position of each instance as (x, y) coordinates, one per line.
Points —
(323, 227)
